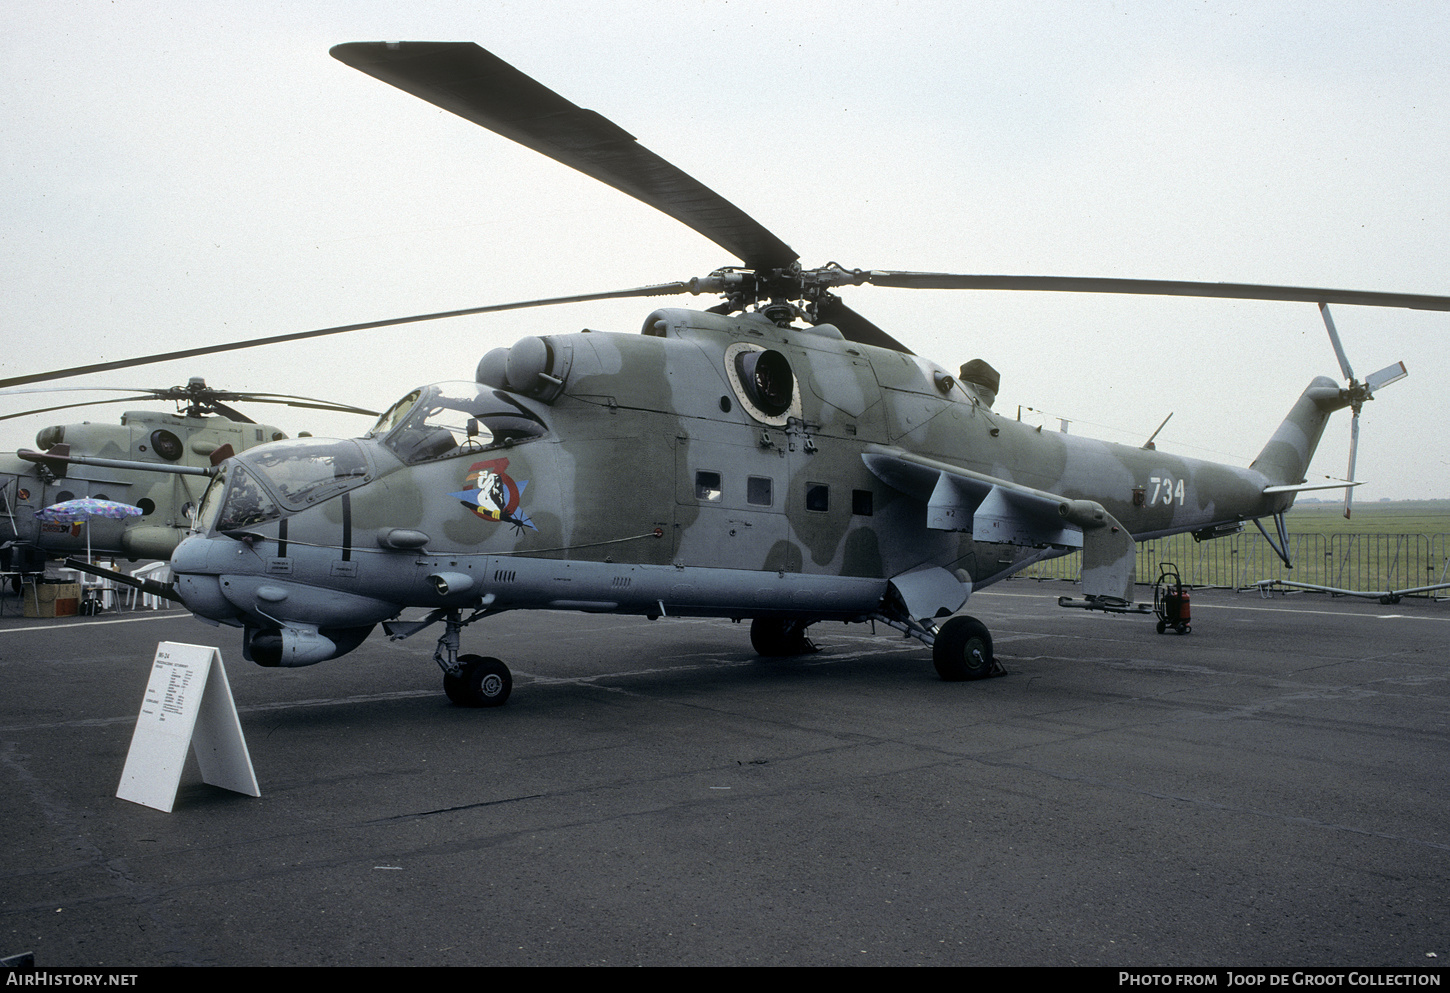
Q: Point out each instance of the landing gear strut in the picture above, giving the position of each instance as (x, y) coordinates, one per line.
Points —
(470, 680)
(961, 648)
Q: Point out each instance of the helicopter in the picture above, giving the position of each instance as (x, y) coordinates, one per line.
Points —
(159, 462)
(776, 457)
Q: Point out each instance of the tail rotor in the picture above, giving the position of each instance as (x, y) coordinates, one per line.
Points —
(1356, 394)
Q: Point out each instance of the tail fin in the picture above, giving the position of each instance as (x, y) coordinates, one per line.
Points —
(1285, 459)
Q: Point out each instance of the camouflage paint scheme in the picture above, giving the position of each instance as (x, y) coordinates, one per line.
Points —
(654, 484)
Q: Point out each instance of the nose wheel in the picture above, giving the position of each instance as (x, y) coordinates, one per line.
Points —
(482, 682)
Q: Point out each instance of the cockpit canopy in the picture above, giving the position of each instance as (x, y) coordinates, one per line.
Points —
(283, 477)
(448, 419)
(435, 422)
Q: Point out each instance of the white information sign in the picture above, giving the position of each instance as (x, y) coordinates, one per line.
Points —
(188, 704)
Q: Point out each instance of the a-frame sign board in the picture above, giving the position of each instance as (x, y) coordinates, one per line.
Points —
(188, 704)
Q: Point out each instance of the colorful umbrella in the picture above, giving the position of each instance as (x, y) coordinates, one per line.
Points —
(84, 509)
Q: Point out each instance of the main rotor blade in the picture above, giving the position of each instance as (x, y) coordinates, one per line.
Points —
(480, 87)
(1153, 287)
(663, 289)
(855, 327)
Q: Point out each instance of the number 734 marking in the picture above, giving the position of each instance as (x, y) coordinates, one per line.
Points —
(1166, 490)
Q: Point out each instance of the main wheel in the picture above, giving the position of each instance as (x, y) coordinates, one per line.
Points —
(963, 650)
(778, 637)
(485, 682)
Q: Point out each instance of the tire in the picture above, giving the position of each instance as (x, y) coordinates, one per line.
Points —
(780, 637)
(456, 689)
(963, 650)
(486, 682)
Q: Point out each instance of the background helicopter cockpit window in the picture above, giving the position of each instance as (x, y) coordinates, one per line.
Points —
(457, 419)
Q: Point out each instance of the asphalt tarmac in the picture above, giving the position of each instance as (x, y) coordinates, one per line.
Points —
(1269, 790)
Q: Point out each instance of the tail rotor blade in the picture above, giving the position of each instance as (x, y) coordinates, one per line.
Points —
(1334, 340)
(1353, 450)
(1375, 381)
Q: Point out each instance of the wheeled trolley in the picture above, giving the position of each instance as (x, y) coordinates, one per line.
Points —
(1170, 600)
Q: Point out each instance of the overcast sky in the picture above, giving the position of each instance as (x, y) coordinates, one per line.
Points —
(184, 173)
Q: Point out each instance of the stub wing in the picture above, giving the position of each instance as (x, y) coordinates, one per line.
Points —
(997, 510)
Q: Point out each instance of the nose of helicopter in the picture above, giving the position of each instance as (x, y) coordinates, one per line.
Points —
(198, 579)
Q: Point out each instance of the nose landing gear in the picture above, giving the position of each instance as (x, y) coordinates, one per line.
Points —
(469, 680)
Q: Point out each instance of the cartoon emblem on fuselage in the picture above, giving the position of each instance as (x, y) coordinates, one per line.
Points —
(495, 494)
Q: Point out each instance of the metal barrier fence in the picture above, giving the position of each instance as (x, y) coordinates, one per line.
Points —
(1369, 562)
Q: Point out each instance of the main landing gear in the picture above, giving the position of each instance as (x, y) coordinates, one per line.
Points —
(961, 648)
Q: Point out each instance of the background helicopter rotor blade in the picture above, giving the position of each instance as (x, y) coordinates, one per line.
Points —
(69, 406)
(480, 87)
(1152, 287)
(230, 413)
(208, 398)
(663, 289)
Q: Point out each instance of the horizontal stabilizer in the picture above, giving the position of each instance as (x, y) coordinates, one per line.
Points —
(1306, 487)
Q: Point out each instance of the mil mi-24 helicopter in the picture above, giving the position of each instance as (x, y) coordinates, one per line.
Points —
(776, 457)
(159, 462)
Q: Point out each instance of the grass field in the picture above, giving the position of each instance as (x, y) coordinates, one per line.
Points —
(1388, 517)
(1385, 545)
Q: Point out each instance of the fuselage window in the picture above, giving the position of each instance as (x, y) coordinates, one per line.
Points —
(818, 497)
(758, 491)
(861, 503)
(708, 486)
